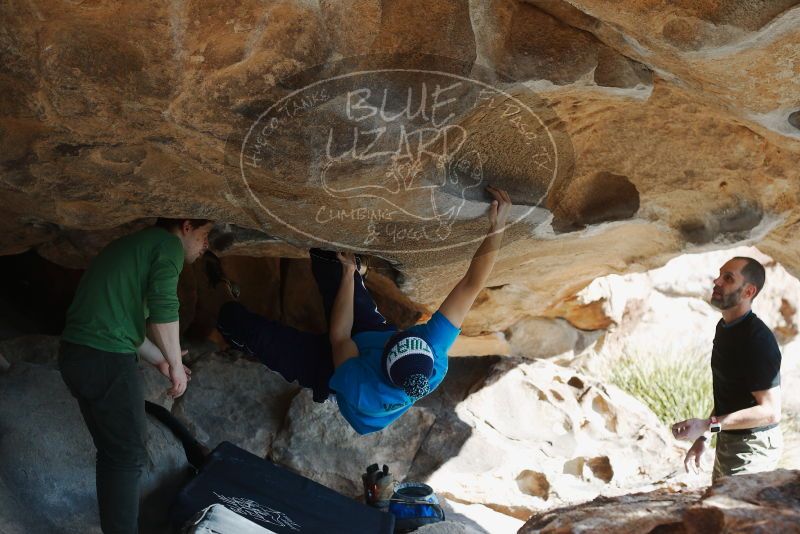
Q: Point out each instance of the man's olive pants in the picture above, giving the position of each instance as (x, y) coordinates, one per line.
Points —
(109, 391)
(747, 452)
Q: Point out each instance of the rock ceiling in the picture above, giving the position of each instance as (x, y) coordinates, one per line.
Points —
(675, 124)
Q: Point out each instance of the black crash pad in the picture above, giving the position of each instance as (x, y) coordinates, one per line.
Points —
(273, 497)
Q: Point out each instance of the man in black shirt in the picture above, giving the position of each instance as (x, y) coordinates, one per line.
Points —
(745, 366)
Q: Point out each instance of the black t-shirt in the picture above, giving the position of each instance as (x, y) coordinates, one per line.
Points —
(745, 358)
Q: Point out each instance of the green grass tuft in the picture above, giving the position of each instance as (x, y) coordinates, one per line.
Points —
(674, 386)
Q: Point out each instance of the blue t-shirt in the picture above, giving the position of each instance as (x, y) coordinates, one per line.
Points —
(366, 399)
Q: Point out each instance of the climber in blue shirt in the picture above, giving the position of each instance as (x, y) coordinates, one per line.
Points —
(380, 374)
(376, 372)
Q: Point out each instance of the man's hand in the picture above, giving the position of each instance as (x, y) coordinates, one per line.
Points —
(690, 429)
(179, 380)
(694, 454)
(163, 367)
(500, 208)
(348, 260)
(166, 336)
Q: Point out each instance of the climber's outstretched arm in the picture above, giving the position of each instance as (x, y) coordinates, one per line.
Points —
(461, 298)
(342, 345)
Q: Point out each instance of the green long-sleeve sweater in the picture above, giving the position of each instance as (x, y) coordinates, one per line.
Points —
(132, 277)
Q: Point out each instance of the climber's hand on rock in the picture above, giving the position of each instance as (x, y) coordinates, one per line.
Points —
(690, 429)
(348, 260)
(694, 455)
(500, 208)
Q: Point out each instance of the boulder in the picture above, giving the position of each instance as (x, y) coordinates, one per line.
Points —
(477, 518)
(763, 502)
(616, 515)
(232, 398)
(37, 349)
(745, 503)
(43, 351)
(47, 477)
(449, 527)
(540, 435)
(544, 337)
(444, 441)
(482, 345)
(317, 442)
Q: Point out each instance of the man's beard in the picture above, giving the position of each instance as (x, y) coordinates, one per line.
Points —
(726, 302)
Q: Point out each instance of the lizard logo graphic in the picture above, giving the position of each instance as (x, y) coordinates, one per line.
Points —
(426, 163)
(372, 155)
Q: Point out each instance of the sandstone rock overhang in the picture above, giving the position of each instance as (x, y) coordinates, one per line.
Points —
(682, 121)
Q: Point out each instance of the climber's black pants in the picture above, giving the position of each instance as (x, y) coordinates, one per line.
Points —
(295, 354)
(327, 271)
(108, 388)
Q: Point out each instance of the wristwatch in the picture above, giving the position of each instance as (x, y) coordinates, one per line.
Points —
(714, 426)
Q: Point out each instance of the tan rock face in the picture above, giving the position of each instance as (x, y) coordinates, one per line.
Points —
(318, 442)
(537, 44)
(543, 435)
(235, 400)
(672, 124)
(542, 338)
(745, 503)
